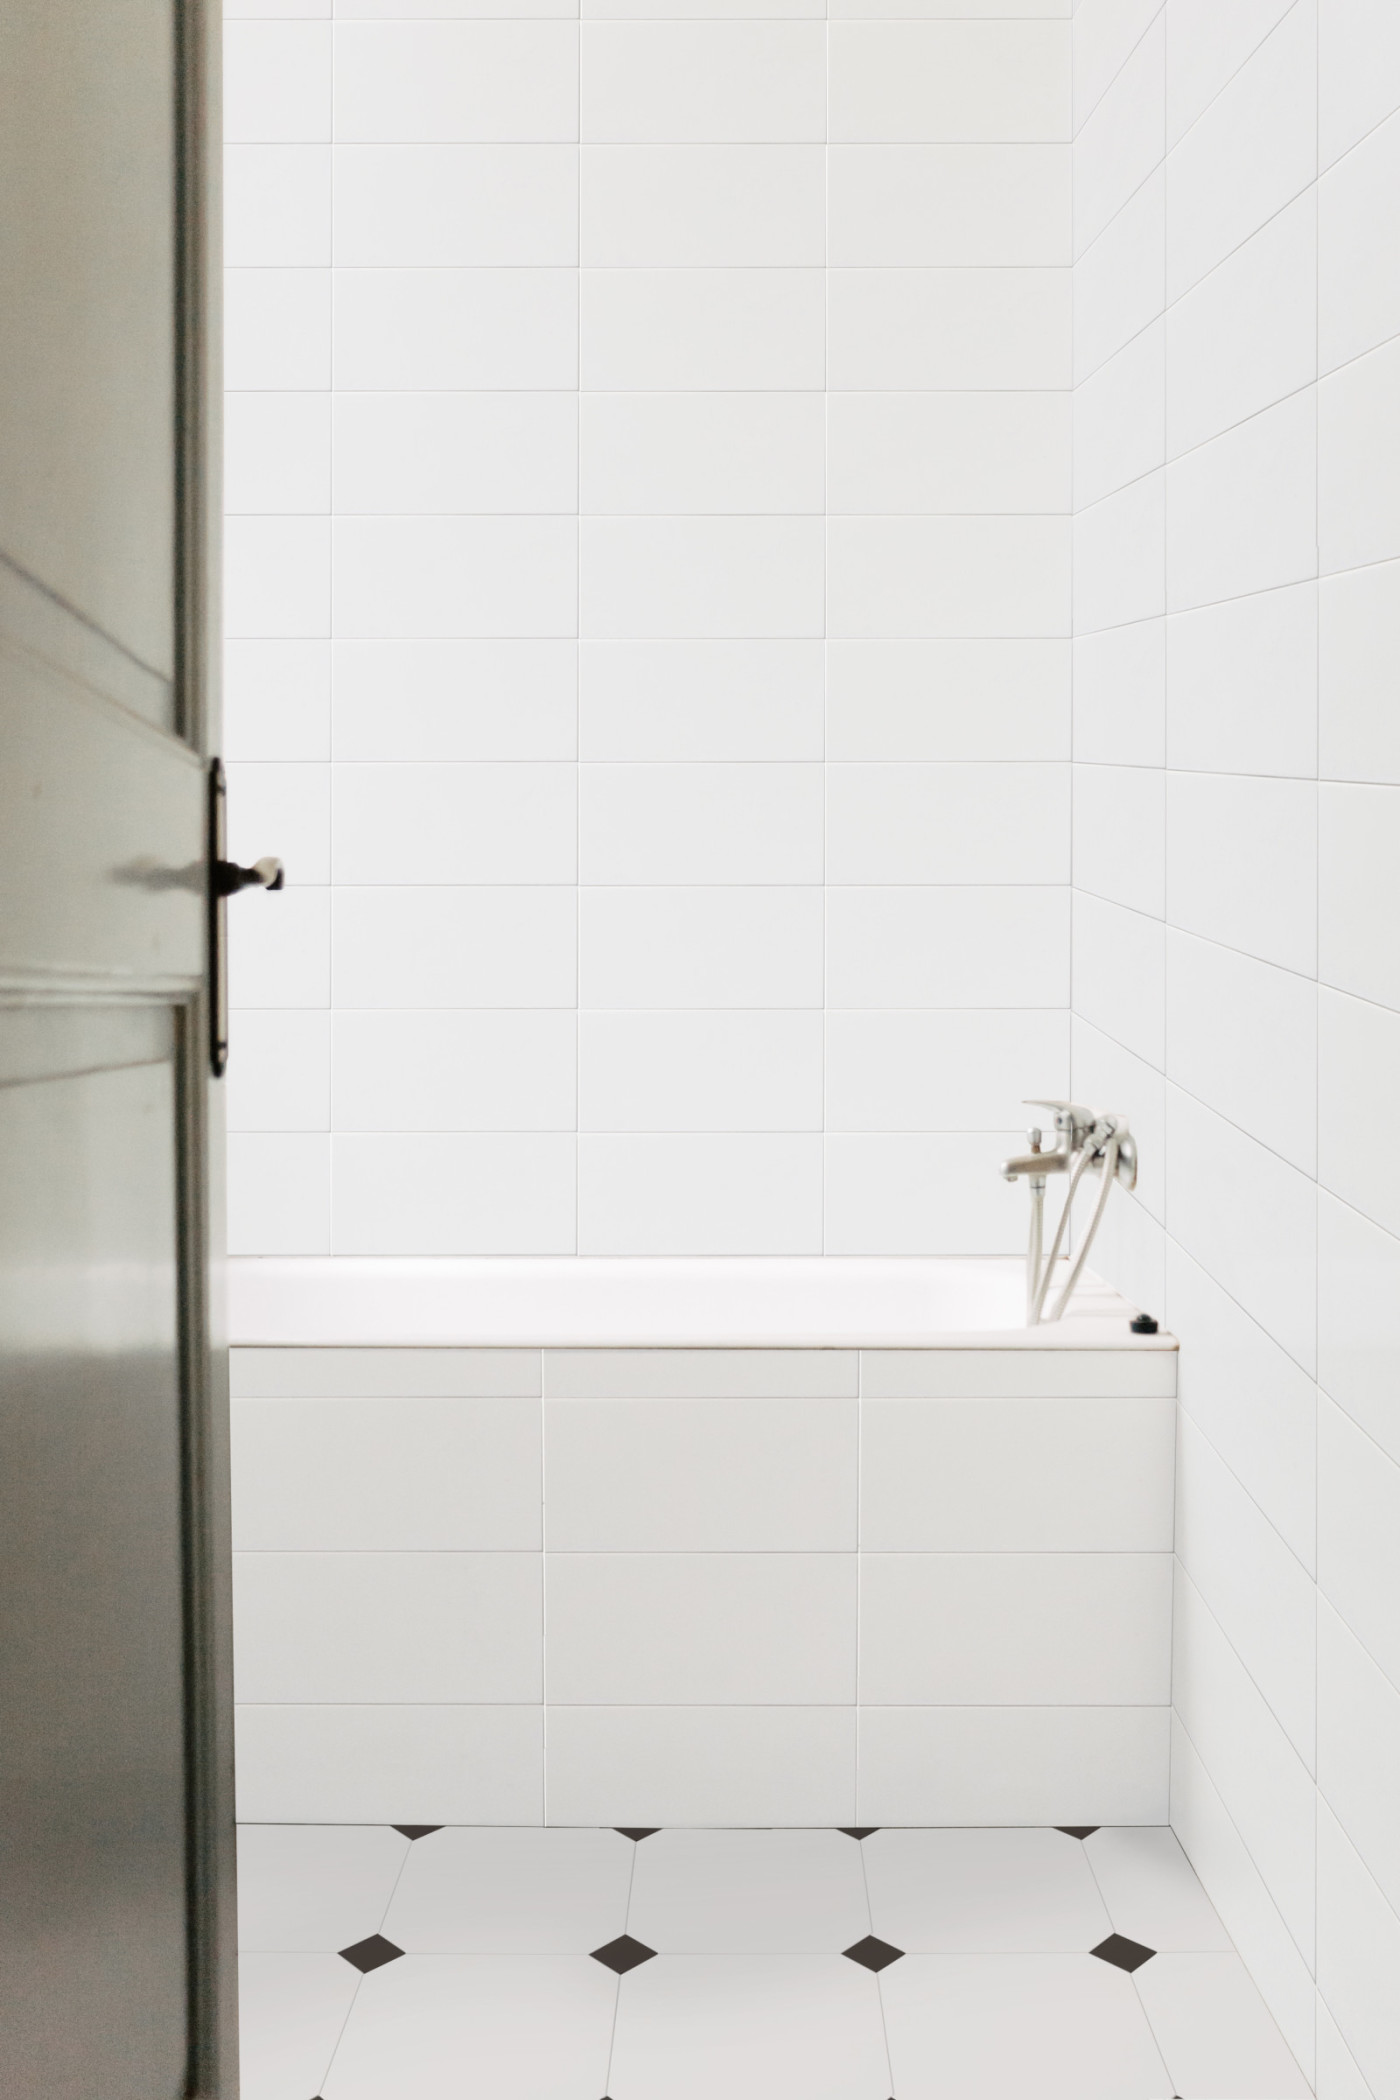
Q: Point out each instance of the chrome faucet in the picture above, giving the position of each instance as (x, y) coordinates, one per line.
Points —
(1086, 1140)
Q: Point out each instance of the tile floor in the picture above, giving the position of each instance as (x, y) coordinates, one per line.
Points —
(398, 1964)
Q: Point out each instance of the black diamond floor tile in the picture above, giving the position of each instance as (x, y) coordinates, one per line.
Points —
(371, 1953)
(416, 1830)
(636, 1834)
(624, 1954)
(1077, 1830)
(857, 1831)
(873, 1954)
(1123, 1953)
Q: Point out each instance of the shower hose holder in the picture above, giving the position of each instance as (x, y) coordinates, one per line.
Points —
(1087, 1141)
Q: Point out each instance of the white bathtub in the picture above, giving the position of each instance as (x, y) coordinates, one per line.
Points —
(544, 1301)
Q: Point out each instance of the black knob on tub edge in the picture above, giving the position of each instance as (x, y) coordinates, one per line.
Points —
(1143, 1324)
(265, 874)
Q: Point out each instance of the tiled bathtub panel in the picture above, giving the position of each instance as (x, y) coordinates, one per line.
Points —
(996, 1765)
(620, 1374)
(395, 1374)
(1006, 1374)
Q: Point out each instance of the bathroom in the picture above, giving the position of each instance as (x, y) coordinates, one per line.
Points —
(793, 579)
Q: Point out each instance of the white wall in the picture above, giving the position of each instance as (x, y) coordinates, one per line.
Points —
(648, 586)
(1236, 969)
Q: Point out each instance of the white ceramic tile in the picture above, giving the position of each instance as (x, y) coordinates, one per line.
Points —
(947, 947)
(291, 2009)
(1214, 2029)
(532, 2024)
(279, 1071)
(938, 1071)
(1012, 1764)
(449, 206)
(634, 1373)
(940, 207)
(947, 700)
(988, 2024)
(765, 1765)
(1358, 1938)
(1119, 283)
(1358, 1537)
(1119, 975)
(412, 578)
(1251, 151)
(1220, 1007)
(1119, 418)
(444, 328)
(512, 1892)
(279, 10)
(1121, 143)
(727, 1071)
(982, 1892)
(424, 452)
(277, 700)
(700, 1629)
(1358, 68)
(1120, 835)
(1242, 510)
(921, 1195)
(368, 1764)
(1358, 270)
(645, 578)
(1016, 1476)
(1357, 1304)
(693, 823)
(1358, 448)
(952, 10)
(277, 82)
(448, 10)
(986, 1373)
(942, 824)
(1104, 33)
(713, 701)
(284, 809)
(701, 947)
(1248, 1218)
(439, 700)
(314, 1886)
(1250, 1400)
(1242, 684)
(277, 328)
(441, 823)
(1150, 1892)
(1357, 1048)
(1263, 1784)
(700, 1476)
(279, 1194)
(1208, 47)
(277, 206)
(949, 81)
(1337, 2075)
(948, 453)
(437, 83)
(1358, 1742)
(752, 2023)
(700, 207)
(928, 578)
(726, 453)
(1242, 864)
(663, 328)
(670, 83)
(453, 1071)
(756, 1892)
(1120, 695)
(359, 1373)
(386, 1476)
(451, 1194)
(1358, 734)
(1358, 862)
(1119, 557)
(1247, 334)
(450, 947)
(396, 1627)
(972, 328)
(277, 577)
(281, 956)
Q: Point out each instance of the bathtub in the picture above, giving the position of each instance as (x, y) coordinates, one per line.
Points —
(779, 1542)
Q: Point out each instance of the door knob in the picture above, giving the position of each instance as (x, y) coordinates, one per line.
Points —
(266, 874)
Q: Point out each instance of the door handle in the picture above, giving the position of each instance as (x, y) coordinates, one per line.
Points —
(226, 879)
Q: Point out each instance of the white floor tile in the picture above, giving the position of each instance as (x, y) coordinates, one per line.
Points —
(1214, 2030)
(291, 2009)
(321, 1885)
(748, 1891)
(692, 2027)
(1152, 1895)
(982, 1891)
(534, 2027)
(1004, 2026)
(512, 1892)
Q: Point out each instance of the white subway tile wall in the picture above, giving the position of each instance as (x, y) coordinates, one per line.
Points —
(1236, 968)
(649, 603)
